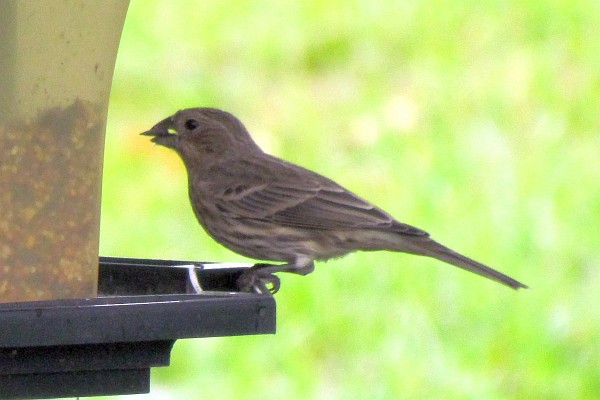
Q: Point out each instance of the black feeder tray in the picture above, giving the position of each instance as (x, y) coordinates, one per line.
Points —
(107, 345)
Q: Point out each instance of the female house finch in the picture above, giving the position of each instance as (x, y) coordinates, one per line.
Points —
(269, 209)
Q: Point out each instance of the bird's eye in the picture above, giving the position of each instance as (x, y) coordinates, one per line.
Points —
(191, 124)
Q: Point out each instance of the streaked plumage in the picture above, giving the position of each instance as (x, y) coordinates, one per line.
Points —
(269, 209)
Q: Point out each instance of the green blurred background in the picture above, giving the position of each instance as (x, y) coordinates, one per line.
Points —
(476, 121)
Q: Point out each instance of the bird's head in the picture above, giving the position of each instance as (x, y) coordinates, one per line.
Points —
(203, 134)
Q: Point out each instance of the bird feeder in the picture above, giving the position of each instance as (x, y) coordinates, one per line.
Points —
(72, 323)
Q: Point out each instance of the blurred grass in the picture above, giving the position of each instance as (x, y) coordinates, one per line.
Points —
(477, 121)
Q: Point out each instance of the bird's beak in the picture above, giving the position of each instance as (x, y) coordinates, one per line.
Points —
(163, 133)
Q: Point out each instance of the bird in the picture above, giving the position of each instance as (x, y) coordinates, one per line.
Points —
(269, 209)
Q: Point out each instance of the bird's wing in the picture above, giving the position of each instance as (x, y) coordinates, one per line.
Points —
(316, 204)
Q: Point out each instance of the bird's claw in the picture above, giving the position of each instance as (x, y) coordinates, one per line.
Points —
(257, 281)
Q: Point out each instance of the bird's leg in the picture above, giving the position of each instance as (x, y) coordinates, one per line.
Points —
(261, 278)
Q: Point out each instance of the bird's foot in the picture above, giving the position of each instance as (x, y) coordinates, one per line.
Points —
(258, 279)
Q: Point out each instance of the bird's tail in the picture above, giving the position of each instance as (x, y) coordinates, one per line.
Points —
(431, 248)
